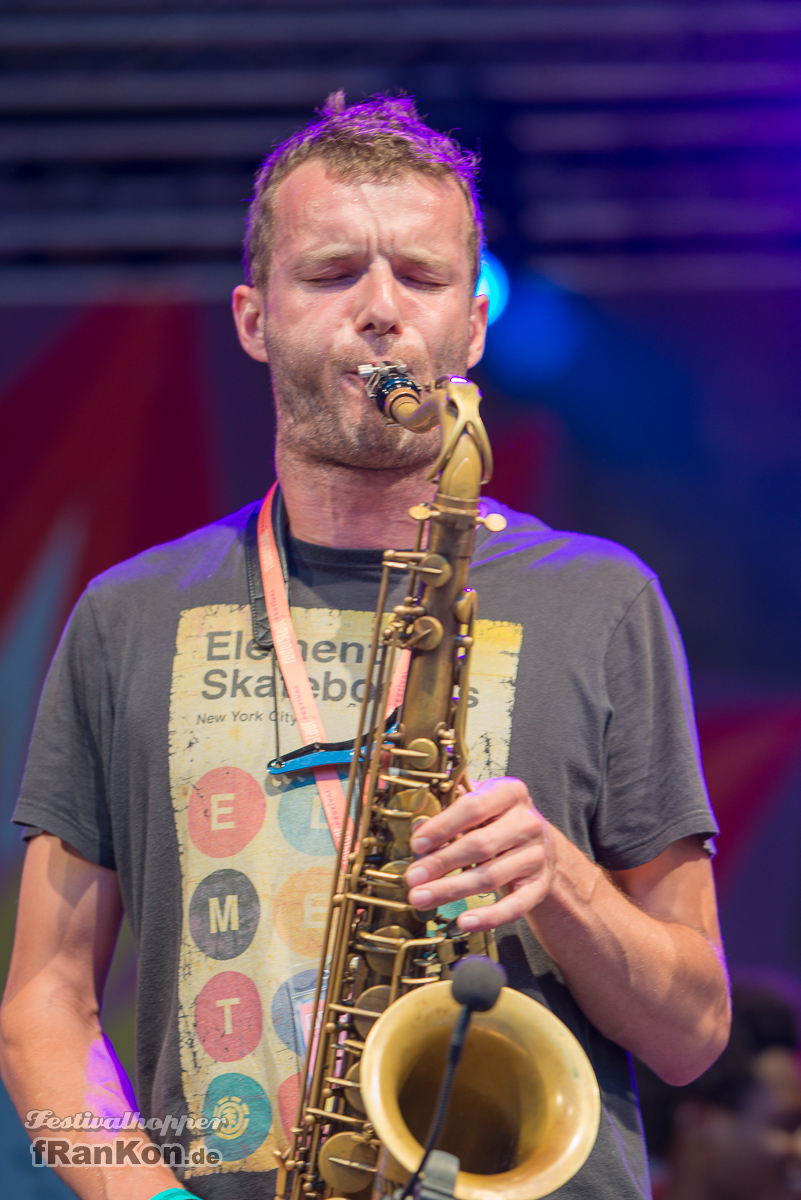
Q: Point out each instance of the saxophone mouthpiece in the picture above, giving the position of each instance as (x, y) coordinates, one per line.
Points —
(393, 389)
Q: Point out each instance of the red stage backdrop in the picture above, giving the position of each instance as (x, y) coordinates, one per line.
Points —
(106, 450)
(112, 442)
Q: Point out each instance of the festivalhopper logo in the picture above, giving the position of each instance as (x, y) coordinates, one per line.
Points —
(124, 1150)
(120, 1152)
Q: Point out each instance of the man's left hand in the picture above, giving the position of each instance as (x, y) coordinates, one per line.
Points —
(501, 843)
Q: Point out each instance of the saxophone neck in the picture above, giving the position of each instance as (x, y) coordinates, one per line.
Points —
(464, 463)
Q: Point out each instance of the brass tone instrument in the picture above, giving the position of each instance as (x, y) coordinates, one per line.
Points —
(525, 1109)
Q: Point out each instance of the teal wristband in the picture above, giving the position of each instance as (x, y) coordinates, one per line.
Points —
(175, 1194)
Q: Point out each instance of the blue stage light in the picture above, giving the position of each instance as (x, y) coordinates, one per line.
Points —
(615, 391)
(538, 338)
(493, 282)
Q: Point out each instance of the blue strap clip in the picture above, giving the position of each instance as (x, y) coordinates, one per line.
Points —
(320, 754)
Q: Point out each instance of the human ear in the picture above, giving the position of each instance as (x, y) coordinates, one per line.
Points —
(479, 310)
(248, 306)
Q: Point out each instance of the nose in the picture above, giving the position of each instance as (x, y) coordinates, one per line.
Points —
(379, 310)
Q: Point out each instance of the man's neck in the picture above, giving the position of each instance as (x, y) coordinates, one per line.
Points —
(347, 508)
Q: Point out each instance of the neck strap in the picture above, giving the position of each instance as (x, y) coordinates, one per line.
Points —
(273, 629)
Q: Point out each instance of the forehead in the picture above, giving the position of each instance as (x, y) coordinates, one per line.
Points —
(314, 207)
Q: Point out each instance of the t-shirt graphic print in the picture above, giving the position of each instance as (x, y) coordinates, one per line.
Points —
(257, 856)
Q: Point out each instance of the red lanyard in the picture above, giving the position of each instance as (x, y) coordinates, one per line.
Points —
(293, 669)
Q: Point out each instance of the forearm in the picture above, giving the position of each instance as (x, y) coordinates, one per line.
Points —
(646, 967)
(55, 1058)
(656, 987)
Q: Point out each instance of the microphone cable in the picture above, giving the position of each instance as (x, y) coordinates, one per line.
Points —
(475, 984)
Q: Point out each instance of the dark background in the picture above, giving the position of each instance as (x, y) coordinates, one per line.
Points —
(642, 180)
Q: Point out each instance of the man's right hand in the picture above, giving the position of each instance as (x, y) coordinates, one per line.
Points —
(53, 1052)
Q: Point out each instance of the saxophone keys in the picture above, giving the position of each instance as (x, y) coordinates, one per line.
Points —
(400, 847)
(354, 1095)
(382, 957)
(394, 888)
(436, 569)
(375, 999)
(427, 633)
(494, 522)
(348, 1163)
(416, 802)
(465, 607)
(424, 751)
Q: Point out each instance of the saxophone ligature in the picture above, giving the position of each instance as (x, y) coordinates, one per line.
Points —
(524, 1112)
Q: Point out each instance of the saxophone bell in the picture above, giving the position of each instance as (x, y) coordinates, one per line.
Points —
(525, 1107)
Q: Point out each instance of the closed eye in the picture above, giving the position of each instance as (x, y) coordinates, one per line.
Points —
(337, 278)
(422, 283)
(423, 273)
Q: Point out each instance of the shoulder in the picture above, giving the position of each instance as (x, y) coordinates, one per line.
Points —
(529, 547)
(197, 558)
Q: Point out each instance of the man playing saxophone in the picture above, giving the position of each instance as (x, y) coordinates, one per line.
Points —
(146, 789)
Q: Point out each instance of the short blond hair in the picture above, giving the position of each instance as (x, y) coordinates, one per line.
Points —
(378, 140)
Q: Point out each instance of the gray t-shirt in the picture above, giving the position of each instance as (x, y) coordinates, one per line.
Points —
(163, 706)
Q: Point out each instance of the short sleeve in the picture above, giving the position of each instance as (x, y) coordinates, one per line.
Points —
(64, 786)
(654, 791)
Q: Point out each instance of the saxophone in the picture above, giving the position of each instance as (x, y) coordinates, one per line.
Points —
(525, 1108)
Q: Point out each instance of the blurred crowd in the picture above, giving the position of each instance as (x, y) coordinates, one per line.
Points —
(735, 1133)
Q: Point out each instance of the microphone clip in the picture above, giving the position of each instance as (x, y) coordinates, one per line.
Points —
(438, 1179)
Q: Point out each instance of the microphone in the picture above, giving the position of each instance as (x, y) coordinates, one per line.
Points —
(476, 983)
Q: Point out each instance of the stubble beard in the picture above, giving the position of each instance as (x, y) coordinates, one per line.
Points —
(319, 425)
